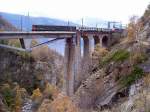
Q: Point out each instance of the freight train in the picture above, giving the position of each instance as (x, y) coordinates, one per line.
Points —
(52, 28)
(70, 28)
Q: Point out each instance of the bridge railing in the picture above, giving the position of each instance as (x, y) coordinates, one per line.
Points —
(93, 29)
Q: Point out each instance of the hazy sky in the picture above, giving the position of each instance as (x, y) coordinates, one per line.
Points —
(119, 10)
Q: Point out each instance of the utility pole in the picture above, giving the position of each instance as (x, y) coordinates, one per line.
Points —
(108, 24)
(114, 24)
(96, 25)
(28, 22)
(21, 23)
(68, 23)
(82, 22)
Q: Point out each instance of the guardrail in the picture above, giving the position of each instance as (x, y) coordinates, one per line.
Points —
(96, 29)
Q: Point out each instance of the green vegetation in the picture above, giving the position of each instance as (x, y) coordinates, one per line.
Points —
(8, 95)
(13, 96)
(119, 55)
(25, 55)
(4, 42)
(136, 74)
(14, 42)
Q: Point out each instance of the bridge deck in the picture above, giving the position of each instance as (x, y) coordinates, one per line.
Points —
(32, 34)
(54, 32)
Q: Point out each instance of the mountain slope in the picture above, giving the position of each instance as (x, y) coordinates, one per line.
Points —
(5, 25)
(26, 22)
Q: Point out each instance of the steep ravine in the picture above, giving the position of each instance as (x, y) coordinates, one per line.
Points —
(112, 81)
(21, 73)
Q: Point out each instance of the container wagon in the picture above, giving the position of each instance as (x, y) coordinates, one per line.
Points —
(52, 28)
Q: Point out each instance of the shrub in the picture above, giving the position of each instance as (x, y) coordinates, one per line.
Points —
(60, 104)
(11, 42)
(18, 100)
(41, 53)
(14, 42)
(4, 42)
(147, 80)
(50, 91)
(119, 55)
(136, 74)
(133, 29)
(8, 95)
(139, 58)
(25, 55)
(37, 96)
(99, 52)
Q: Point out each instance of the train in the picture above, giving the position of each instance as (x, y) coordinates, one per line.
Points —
(52, 28)
(70, 28)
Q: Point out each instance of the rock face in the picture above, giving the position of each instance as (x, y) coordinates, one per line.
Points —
(134, 90)
(51, 62)
(104, 87)
(145, 34)
(138, 100)
(15, 67)
(27, 106)
(100, 88)
(22, 68)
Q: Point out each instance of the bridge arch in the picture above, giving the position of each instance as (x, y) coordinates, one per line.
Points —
(105, 40)
(96, 40)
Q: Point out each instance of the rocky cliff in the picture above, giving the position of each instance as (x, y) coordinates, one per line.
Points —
(120, 80)
(112, 78)
(27, 71)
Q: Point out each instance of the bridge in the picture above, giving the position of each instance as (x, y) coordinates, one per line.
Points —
(72, 36)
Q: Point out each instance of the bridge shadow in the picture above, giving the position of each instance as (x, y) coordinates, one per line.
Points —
(105, 41)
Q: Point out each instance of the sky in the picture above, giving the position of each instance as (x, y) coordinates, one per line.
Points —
(75, 10)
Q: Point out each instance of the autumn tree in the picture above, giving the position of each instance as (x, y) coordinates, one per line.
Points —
(18, 100)
(50, 91)
(133, 29)
(37, 96)
(42, 53)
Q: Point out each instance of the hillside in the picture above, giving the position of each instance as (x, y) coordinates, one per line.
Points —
(5, 25)
(27, 22)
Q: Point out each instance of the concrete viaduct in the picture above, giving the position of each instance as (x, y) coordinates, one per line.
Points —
(72, 47)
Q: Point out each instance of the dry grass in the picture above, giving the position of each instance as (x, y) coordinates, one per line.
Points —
(51, 91)
(41, 53)
(60, 104)
(99, 52)
(63, 104)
